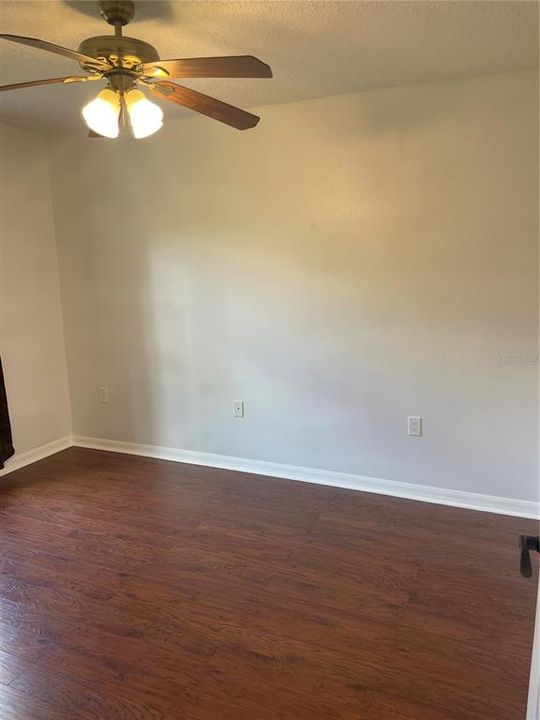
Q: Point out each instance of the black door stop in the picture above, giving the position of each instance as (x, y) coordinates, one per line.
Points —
(526, 544)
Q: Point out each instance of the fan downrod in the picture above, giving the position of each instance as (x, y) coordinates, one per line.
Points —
(117, 12)
(124, 54)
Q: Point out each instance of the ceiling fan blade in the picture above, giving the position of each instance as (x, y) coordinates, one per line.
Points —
(240, 66)
(216, 109)
(49, 81)
(57, 49)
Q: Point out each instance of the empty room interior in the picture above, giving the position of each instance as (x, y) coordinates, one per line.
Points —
(269, 379)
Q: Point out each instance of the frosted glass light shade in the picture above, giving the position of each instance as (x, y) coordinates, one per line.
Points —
(146, 117)
(101, 114)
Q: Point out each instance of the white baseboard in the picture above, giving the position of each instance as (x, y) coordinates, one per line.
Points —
(409, 491)
(31, 456)
(439, 496)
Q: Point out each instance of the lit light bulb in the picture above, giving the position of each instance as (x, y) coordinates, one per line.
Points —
(146, 117)
(101, 114)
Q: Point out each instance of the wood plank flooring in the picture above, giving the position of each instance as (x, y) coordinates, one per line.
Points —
(139, 589)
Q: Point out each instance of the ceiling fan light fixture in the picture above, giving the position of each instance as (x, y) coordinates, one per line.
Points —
(145, 116)
(102, 113)
(124, 61)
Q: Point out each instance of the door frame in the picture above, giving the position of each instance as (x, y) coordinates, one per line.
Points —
(533, 705)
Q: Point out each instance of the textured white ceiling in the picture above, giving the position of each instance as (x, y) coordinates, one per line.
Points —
(314, 48)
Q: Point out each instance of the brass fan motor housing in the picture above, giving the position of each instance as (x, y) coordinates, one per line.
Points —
(122, 52)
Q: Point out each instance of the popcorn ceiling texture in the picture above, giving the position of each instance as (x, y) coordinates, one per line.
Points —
(315, 48)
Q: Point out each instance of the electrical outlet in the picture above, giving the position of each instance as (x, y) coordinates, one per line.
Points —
(238, 407)
(103, 394)
(414, 424)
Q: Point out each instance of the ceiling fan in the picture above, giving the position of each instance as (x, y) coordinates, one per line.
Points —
(128, 64)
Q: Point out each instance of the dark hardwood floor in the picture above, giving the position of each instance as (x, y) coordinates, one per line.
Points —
(139, 589)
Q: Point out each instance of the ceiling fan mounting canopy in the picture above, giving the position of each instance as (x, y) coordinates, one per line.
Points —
(117, 12)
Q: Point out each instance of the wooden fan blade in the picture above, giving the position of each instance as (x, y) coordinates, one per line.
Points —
(216, 109)
(240, 66)
(57, 49)
(49, 81)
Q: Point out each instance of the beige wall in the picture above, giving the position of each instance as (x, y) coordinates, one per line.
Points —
(31, 335)
(354, 260)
